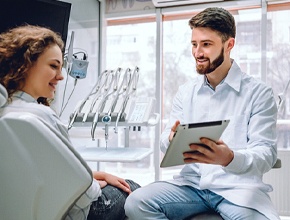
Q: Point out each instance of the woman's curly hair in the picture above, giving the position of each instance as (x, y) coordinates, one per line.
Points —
(20, 47)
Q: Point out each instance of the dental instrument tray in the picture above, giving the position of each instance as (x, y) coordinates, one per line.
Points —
(187, 134)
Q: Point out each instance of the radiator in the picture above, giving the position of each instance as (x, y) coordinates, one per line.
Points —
(280, 178)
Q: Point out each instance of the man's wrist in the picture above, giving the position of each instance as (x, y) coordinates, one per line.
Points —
(231, 157)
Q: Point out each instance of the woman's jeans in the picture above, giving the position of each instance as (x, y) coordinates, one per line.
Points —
(110, 205)
(162, 200)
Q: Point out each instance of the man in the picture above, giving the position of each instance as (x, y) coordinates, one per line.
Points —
(227, 177)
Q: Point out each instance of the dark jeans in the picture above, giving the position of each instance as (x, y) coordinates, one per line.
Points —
(110, 205)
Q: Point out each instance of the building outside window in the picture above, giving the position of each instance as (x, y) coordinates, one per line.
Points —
(128, 44)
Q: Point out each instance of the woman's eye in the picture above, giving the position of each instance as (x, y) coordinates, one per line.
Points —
(54, 66)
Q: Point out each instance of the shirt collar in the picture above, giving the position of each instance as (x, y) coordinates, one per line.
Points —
(23, 96)
(233, 78)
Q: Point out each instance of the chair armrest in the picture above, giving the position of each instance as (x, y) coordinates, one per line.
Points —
(278, 163)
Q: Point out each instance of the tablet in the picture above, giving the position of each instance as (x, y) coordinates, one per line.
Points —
(187, 134)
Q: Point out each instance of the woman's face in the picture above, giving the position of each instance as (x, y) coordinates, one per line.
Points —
(43, 76)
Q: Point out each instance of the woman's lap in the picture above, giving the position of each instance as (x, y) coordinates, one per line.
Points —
(110, 205)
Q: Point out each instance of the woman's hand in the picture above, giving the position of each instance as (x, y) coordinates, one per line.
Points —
(106, 178)
(102, 183)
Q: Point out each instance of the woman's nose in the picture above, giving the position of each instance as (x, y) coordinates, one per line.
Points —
(59, 76)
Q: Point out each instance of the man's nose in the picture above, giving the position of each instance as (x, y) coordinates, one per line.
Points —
(198, 52)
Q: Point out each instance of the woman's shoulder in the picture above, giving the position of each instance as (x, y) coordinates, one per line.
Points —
(22, 104)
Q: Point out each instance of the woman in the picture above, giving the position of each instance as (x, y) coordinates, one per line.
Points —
(31, 61)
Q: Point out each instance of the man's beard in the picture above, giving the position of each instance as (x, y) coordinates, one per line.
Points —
(201, 69)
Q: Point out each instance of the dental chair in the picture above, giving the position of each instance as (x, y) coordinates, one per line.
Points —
(41, 175)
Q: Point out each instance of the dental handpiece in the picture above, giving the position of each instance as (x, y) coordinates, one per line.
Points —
(78, 109)
(106, 119)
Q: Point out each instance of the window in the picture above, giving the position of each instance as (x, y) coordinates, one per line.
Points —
(278, 66)
(128, 46)
(179, 65)
(124, 48)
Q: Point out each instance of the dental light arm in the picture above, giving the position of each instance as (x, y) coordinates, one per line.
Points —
(70, 53)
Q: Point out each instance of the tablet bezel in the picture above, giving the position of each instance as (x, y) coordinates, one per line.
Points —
(187, 134)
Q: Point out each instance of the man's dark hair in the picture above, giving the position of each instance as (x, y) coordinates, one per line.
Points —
(218, 20)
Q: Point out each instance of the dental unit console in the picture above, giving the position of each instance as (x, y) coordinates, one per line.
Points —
(113, 102)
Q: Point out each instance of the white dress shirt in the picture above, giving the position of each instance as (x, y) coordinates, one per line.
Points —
(251, 134)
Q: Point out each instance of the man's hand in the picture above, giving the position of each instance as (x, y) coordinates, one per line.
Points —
(212, 153)
(173, 130)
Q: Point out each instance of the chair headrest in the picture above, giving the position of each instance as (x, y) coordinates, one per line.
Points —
(3, 95)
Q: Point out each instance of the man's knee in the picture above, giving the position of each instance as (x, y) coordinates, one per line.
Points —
(131, 203)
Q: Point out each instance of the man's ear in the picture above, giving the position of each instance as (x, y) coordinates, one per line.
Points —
(231, 43)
